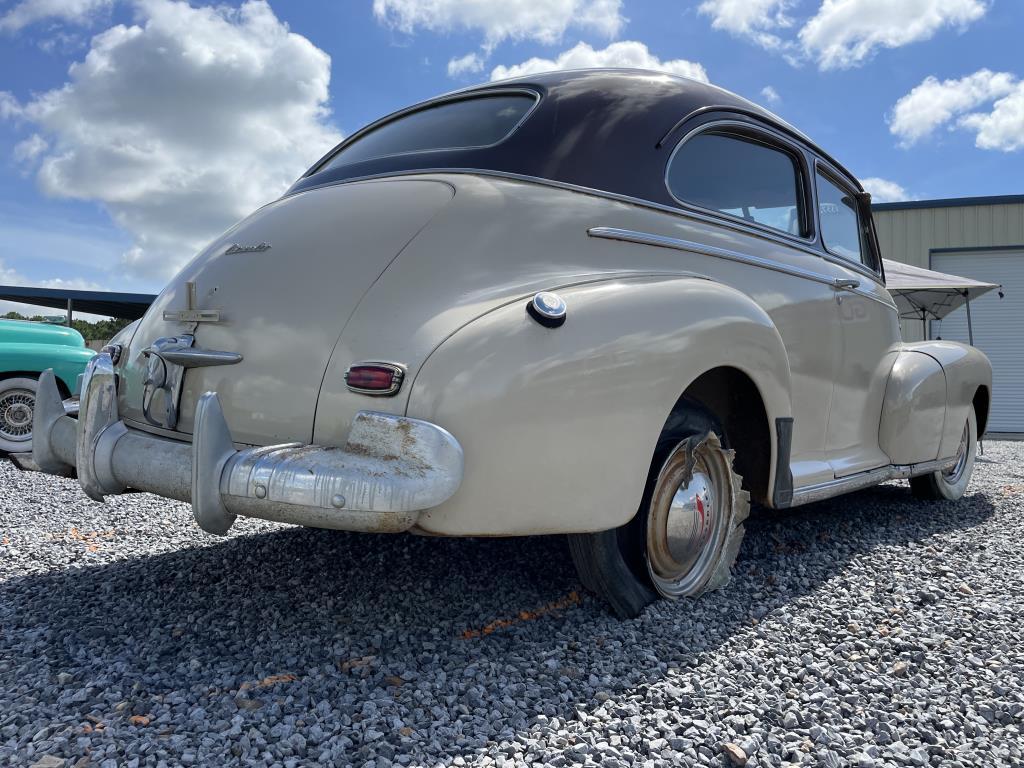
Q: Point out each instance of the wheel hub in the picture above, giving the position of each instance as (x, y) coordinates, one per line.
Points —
(684, 526)
(16, 415)
(689, 520)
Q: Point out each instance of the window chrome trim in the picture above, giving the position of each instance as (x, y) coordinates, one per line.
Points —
(784, 145)
(820, 169)
(646, 238)
(440, 101)
(834, 174)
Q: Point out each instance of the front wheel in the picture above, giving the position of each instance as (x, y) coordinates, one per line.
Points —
(17, 404)
(686, 534)
(951, 484)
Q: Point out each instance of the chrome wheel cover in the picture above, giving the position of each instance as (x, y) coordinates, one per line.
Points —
(687, 521)
(953, 475)
(16, 407)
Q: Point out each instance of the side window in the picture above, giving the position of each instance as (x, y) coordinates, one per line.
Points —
(741, 177)
(840, 222)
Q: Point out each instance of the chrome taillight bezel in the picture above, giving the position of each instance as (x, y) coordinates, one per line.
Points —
(396, 370)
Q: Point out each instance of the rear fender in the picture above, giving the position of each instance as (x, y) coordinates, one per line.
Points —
(927, 398)
(559, 425)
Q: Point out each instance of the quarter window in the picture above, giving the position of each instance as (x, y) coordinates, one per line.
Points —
(475, 122)
(840, 223)
(741, 177)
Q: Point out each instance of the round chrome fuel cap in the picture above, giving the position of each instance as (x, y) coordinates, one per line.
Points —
(548, 309)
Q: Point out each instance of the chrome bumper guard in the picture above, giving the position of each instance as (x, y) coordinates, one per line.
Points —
(390, 469)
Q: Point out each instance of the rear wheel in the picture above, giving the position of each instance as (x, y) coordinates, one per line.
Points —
(951, 484)
(17, 404)
(685, 536)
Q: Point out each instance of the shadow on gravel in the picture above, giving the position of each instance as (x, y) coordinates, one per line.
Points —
(349, 614)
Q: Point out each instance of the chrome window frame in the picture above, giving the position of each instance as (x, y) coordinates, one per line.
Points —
(773, 140)
(859, 266)
(422, 107)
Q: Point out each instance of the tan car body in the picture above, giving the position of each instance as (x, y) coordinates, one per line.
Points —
(557, 425)
(502, 425)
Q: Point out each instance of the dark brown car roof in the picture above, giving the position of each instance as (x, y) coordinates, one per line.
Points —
(606, 129)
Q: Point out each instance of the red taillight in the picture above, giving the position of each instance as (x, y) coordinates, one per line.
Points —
(374, 378)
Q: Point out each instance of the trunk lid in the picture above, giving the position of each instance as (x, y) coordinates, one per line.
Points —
(284, 282)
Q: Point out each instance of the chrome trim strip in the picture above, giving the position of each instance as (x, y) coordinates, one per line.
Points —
(861, 480)
(646, 238)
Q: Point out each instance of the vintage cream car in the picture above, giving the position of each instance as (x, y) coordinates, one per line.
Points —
(614, 304)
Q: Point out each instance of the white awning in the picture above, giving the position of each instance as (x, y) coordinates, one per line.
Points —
(922, 294)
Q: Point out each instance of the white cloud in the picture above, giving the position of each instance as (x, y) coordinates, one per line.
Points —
(934, 103)
(770, 95)
(69, 11)
(183, 123)
(840, 33)
(758, 20)
(1003, 127)
(627, 53)
(9, 106)
(883, 190)
(468, 64)
(28, 150)
(845, 33)
(499, 20)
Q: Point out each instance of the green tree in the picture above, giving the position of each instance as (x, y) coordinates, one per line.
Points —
(101, 330)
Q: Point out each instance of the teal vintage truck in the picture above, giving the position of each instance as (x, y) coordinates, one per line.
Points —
(27, 349)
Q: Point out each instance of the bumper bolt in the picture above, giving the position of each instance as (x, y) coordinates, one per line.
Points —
(338, 500)
(261, 491)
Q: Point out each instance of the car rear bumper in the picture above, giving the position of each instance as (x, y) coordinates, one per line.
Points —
(389, 470)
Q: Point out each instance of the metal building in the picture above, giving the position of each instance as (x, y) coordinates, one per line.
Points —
(981, 238)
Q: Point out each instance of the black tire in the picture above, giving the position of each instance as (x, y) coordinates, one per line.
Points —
(951, 485)
(620, 565)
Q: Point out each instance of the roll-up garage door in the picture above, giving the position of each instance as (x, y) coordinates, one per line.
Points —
(998, 326)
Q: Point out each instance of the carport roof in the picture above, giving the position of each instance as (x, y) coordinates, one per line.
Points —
(129, 306)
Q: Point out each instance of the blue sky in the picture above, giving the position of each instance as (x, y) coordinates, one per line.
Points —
(133, 131)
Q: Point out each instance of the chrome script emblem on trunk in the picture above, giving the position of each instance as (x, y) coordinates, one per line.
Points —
(239, 248)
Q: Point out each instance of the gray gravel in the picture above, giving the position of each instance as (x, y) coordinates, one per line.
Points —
(872, 630)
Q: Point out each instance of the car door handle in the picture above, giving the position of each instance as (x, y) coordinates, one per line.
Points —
(845, 282)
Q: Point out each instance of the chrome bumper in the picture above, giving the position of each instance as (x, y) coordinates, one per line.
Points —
(390, 469)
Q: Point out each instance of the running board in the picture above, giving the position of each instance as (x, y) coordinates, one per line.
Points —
(867, 479)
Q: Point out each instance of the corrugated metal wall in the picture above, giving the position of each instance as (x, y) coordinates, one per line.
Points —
(908, 234)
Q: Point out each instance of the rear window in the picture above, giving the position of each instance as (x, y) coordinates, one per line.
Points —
(467, 123)
(741, 177)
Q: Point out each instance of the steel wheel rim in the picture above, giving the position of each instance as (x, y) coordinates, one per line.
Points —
(954, 474)
(685, 525)
(16, 408)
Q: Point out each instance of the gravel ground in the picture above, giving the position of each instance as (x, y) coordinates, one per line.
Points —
(871, 630)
